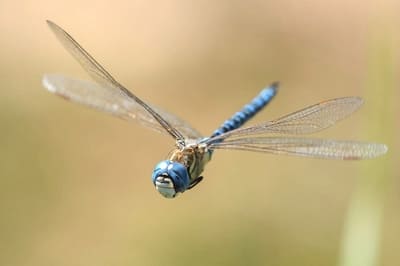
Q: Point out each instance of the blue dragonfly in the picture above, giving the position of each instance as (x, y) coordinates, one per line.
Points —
(182, 170)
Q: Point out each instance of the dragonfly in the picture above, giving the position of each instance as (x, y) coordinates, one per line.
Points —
(182, 170)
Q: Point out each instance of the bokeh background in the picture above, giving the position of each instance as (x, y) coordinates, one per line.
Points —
(75, 184)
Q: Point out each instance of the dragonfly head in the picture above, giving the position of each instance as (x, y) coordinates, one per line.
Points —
(170, 178)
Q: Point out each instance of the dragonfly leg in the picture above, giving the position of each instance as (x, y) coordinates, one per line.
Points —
(195, 182)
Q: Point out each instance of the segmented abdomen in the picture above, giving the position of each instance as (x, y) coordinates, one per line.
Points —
(248, 111)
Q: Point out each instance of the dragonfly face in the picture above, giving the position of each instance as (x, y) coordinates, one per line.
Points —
(170, 178)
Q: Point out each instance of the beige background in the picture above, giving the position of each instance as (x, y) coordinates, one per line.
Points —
(75, 184)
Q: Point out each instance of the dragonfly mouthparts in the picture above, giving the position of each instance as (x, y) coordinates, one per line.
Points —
(170, 178)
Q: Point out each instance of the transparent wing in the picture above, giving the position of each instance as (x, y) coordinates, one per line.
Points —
(308, 120)
(89, 64)
(94, 96)
(108, 99)
(308, 147)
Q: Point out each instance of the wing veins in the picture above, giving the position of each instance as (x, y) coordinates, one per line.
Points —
(310, 147)
(305, 121)
(99, 74)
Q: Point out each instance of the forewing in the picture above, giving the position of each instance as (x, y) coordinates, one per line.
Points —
(89, 64)
(308, 147)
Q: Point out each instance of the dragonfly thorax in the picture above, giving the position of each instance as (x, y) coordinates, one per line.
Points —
(181, 171)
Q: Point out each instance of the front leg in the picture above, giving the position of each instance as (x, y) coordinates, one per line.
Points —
(195, 182)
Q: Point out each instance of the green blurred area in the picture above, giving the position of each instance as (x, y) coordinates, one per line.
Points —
(75, 184)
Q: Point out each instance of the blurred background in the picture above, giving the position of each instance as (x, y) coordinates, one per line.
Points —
(75, 184)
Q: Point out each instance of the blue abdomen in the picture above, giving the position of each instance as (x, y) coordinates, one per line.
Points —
(248, 111)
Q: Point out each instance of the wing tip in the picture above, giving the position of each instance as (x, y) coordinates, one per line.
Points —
(53, 26)
(50, 23)
(359, 100)
(381, 149)
(47, 84)
(375, 150)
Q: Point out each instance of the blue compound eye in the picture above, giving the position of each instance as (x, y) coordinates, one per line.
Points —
(170, 178)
